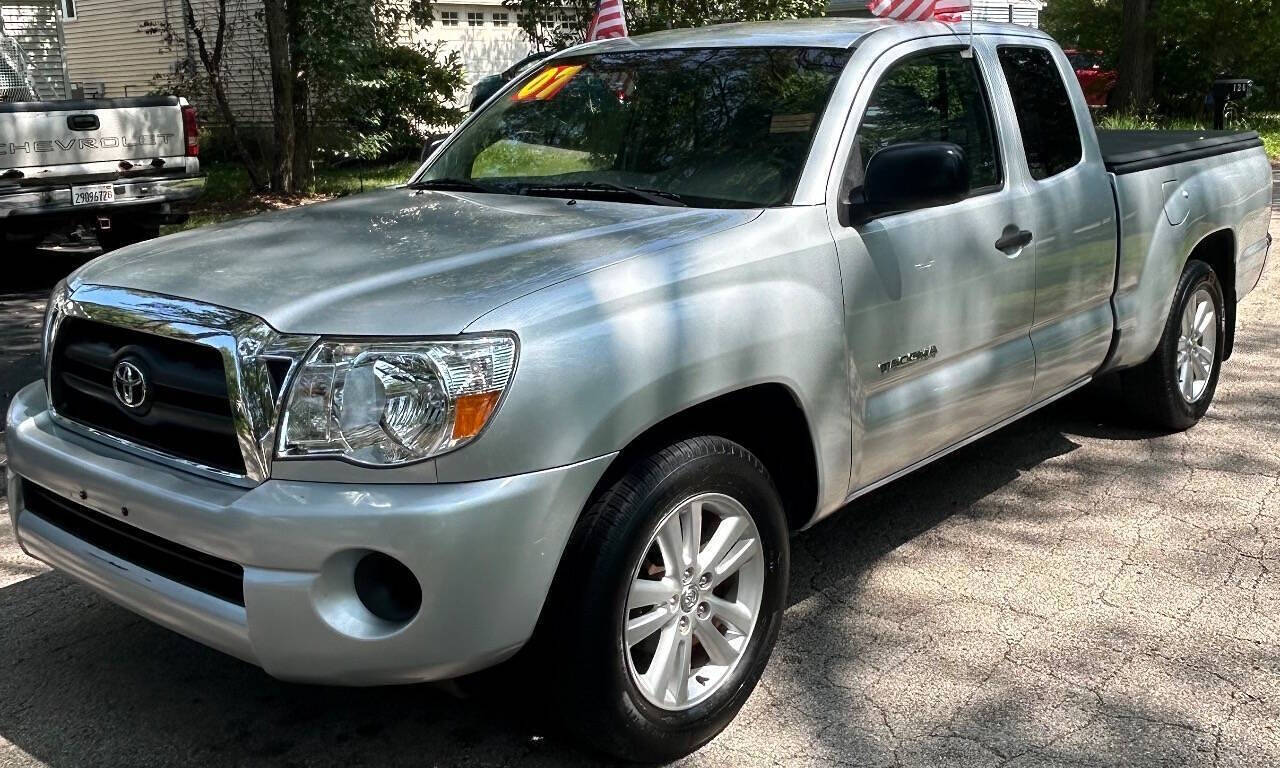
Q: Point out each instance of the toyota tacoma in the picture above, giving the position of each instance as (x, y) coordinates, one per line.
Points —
(562, 397)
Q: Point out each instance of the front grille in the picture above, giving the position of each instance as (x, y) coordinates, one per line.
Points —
(187, 412)
(212, 575)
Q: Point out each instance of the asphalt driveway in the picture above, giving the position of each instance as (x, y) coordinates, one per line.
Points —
(1066, 592)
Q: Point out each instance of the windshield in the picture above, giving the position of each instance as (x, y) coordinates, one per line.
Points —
(710, 127)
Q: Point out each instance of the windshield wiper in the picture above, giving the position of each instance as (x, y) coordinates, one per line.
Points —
(654, 196)
(451, 185)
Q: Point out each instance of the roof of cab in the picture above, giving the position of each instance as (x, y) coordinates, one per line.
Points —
(807, 33)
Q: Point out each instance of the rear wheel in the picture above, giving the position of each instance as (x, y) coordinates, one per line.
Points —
(1174, 388)
(668, 601)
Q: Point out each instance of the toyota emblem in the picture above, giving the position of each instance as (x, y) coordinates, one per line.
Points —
(129, 384)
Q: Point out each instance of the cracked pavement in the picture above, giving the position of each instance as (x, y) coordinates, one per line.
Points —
(1066, 592)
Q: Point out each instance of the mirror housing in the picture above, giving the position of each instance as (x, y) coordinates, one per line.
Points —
(911, 176)
(432, 144)
(482, 90)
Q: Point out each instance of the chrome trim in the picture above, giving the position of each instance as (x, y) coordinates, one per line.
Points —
(139, 191)
(244, 341)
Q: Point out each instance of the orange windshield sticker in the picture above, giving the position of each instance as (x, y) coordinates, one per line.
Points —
(546, 84)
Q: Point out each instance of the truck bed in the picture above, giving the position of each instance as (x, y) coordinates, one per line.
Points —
(87, 105)
(1133, 151)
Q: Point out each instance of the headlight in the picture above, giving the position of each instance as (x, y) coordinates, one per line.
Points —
(391, 402)
(56, 299)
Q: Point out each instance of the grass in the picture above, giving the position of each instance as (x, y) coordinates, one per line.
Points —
(228, 194)
(504, 157)
(1266, 124)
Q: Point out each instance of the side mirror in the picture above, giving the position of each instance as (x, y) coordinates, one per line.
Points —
(908, 177)
(432, 145)
(482, 90)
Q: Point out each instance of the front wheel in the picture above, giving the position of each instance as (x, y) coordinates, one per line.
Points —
(668, 601)
(1174, 388)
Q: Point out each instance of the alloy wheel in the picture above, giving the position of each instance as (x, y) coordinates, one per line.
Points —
(1197, 345)
(693, 601)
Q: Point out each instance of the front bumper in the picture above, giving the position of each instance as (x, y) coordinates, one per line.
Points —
(44, 200)
(484, 553)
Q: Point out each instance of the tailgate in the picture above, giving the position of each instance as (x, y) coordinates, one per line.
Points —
(48, 133)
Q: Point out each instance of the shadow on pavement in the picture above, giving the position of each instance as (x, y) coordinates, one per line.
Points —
(89, 683)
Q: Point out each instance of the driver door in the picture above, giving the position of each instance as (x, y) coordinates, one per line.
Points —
(937, 315)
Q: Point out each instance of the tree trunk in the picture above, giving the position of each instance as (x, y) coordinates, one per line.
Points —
(302, 147)
(282, 117)
(212, 61)
(1135, 86)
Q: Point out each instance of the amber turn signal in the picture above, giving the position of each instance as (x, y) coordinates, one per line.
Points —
(471, 412)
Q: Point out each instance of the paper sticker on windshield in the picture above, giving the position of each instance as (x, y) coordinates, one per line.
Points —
(791, 123)
(547, 83)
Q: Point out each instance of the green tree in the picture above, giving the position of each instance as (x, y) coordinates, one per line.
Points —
(359, 73)
(1189, 42)
(346, 78)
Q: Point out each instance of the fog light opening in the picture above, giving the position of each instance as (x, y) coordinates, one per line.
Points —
(387, 588)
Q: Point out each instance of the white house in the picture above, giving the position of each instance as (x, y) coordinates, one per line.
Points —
(111, 53)
(1024, 12)
(482, 32)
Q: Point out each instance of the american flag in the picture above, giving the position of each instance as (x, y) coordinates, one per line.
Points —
(919, 10)
(608, 22)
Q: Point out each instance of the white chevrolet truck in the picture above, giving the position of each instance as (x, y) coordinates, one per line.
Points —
(562, 398)
(113, 170)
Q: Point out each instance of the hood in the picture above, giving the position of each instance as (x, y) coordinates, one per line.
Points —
(398, 262)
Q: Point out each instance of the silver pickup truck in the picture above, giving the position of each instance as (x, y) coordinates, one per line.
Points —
(105, 170)
(562, 397)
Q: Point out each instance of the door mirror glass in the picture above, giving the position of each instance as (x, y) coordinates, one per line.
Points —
(911, 176)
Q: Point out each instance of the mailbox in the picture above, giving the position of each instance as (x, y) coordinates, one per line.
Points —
(1228, 89)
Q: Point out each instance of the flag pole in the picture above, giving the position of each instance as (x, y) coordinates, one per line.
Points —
(968, 53)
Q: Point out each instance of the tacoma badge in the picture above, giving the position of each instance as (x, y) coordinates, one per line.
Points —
(914, 357)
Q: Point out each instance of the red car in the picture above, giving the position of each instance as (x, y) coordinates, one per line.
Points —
(1096, 81)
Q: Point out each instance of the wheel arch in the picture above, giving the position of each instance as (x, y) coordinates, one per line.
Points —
(767, 419)
(1218, 250)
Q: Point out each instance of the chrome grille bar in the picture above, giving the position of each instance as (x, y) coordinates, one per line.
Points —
(245, 343)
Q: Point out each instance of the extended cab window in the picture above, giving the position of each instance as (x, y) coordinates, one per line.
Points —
(935, 96)
(1045, 116)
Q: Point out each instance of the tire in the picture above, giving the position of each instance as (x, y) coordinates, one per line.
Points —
(1157, 392)
(603, 693)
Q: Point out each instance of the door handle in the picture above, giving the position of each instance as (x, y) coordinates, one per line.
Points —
(83, 123)
(1013, 239)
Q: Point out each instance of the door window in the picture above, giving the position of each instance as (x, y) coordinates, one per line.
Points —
(1046, 119)
(936, 96)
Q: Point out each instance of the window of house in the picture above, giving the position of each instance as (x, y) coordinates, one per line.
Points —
(475, 19)
(500, 19)
(69, 10)
(936, 96)
(449, 18)
(1046, 120)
